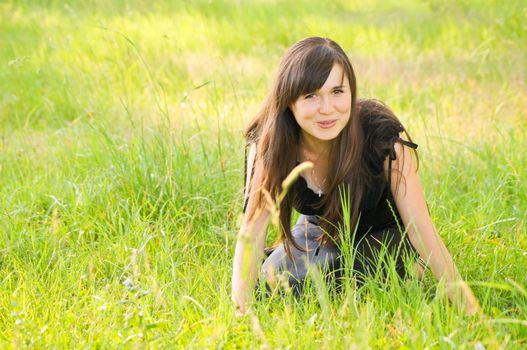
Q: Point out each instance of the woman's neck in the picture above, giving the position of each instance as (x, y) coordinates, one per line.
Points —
(315, 147)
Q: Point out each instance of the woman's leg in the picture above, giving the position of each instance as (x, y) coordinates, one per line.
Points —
(375, 249)
(278, 267)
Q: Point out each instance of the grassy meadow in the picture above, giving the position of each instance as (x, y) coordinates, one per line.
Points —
(121, 169)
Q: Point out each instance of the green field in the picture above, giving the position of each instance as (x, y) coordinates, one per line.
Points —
(121, 169)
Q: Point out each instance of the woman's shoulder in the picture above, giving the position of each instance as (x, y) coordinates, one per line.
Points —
(379, 123)
(381, 130)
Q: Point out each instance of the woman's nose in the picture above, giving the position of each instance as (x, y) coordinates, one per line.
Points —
(326, 105)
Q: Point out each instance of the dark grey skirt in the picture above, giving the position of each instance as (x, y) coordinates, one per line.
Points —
(370, 254)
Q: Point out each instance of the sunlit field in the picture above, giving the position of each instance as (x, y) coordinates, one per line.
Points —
(121, 170)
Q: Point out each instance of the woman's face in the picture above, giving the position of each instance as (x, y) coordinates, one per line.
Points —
(322, 114)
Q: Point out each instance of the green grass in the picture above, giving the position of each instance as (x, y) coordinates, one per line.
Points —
(121, 166)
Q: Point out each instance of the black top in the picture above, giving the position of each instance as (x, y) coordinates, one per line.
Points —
(378, 209)
(376, 206)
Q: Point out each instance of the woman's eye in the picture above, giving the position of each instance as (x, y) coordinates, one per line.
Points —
(309, 96)
(338, 91)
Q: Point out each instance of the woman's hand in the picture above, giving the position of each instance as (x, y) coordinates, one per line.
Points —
(410, 200)
(472, 306)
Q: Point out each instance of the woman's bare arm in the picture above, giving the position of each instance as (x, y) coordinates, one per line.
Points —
(247, 260)
(250, 243)
(410, 200)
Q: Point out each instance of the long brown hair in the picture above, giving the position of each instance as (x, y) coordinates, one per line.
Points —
(304, 69)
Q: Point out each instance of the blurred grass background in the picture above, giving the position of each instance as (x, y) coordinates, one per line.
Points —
(121, 168)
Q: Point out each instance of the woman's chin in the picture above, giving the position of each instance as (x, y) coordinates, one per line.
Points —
(328, 135)
(322, 135)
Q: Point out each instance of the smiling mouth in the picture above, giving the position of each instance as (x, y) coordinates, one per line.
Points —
(327, 123)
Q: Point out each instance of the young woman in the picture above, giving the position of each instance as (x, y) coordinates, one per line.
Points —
(312, 114)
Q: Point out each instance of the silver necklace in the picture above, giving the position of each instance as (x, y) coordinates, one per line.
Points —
(314, 179)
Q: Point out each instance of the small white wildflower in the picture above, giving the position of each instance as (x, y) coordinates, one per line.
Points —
(479, 346)
(129, 284)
